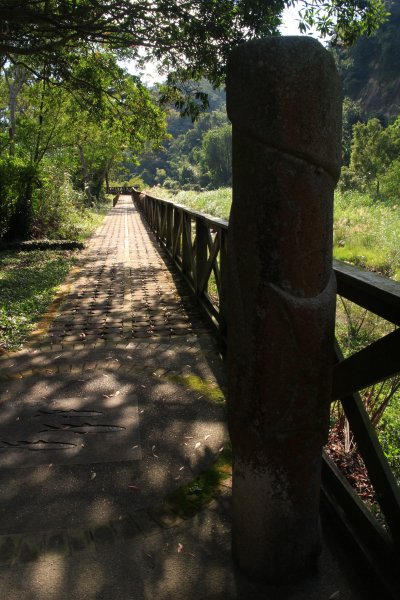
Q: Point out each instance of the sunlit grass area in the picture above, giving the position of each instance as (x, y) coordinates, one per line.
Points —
(30, 279)
(213, 202)
(366, 231)
(28, 282)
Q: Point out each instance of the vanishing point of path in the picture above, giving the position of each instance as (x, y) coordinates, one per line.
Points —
(109, 408)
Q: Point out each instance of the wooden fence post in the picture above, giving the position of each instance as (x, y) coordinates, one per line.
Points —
(284, 101)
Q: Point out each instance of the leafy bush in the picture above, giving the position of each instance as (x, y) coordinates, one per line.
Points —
(14, 175)
(56, 206)
(390, 183)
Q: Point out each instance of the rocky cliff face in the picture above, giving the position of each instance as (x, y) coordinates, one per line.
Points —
(370, 70)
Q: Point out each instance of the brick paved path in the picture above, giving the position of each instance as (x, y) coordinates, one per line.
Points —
(124, 289)
(112, 372)
(108, 409)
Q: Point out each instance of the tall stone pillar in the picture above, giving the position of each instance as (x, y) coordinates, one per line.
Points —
(284, 101)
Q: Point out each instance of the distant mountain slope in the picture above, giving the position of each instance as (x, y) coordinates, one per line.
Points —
(370, 69)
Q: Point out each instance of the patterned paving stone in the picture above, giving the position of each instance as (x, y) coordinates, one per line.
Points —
(124, 288)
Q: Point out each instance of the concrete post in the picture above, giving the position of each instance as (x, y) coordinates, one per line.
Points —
(284, 101)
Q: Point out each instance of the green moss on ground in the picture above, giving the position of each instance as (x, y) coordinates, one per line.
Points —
(188, 499)
(209, 390)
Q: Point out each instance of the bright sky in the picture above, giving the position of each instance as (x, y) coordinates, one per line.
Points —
(290, 23)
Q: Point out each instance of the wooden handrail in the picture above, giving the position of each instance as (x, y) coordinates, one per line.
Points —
(378, 294)
(198, 244)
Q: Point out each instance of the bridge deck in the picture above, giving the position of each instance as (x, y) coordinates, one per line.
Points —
(110, 408)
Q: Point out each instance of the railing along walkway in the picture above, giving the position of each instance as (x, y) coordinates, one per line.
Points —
(198, 245)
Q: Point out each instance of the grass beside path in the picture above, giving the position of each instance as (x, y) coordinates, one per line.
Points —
(29, 281)
(366, 231)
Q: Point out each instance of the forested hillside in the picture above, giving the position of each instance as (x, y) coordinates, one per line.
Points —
(197, 153)
(198, 156)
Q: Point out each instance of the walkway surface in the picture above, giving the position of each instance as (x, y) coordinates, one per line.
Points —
(110, 407)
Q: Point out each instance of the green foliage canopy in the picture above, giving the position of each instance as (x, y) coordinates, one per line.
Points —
(195, 35)
(65, 136)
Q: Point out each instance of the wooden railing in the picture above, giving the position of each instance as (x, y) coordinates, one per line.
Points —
(197, 244)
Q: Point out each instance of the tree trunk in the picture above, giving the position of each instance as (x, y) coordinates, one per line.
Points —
(85, 176)
(14, 88)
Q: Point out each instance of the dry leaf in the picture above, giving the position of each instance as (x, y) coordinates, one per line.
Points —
(180, 547)
(134, 488)
(221, 449)
(197, 445)
(118, 392)
(207, 436)
(92, 476)
(181, 468)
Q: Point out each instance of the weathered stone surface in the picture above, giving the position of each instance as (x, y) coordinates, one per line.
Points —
(280, 315)
(292, 97)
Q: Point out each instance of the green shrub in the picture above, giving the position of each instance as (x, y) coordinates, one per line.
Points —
(14, 176)
(56, 206)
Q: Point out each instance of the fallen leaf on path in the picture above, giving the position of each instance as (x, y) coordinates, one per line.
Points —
(134, 488)
(180, 547)
(197, 445)
(207, 436)
(93, 476)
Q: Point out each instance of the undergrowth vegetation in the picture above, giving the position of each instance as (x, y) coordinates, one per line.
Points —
(367, 233)
(29, 279)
